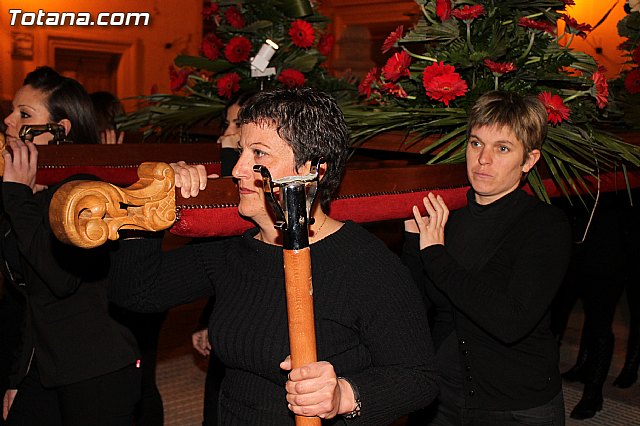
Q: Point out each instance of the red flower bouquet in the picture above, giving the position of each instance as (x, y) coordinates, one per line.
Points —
(302, 34)
(555, 106)
(442, 83)
(228, 84)
(291, 78)
(457, 51)
(397, 66)
(238, 49)
(211, 46)
(236, 32)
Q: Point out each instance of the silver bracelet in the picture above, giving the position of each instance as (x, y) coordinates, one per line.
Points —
(356, 395)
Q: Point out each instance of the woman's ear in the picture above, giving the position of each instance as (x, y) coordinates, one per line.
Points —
(531, 161)
(322, 170)
(66, 124)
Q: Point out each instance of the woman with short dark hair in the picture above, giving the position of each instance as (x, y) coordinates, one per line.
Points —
(372, 334)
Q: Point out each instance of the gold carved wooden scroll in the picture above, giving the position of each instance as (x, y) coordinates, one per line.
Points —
(88, 213)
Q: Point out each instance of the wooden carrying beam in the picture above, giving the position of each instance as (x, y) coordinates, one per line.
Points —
(366, 195)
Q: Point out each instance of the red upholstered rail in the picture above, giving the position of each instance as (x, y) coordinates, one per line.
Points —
(118, 163)
(366, 195)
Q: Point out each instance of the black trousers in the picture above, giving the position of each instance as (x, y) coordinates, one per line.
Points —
(107, 400)
(549, 414)
(146, 329)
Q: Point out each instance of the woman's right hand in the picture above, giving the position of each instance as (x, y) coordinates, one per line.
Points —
(21, 165)
(200, 342)
(7, 401)
(431, 227)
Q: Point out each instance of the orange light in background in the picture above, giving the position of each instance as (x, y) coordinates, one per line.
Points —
(602, 43)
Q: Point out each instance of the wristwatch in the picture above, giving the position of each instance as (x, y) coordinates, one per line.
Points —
(356, 395)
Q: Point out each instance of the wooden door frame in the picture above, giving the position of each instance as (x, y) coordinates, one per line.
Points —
(128, 74)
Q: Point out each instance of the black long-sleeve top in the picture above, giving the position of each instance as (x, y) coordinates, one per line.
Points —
(490, 287)
(67, 330)
(370, 323)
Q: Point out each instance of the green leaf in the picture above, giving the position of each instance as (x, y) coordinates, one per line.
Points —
(304, 63)
(203, 63)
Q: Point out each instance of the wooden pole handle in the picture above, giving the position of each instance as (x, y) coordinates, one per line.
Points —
(302, 334)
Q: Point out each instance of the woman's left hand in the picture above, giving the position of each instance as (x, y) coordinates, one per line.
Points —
(314, 390)
(21, 167)
(431, 227)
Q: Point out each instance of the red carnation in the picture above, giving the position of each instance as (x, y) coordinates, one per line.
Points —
(391, 40)
(291, 78)
(397, 66)
(467, 13)
(372, 77)
(228, 84)
(234, 17)
(211, 46)
(556, 109)
(635, 55)
(177, 78)
(499, 67)
(545, 26)
(442, 83)
(394, 90)
(573, 27)
(325, 44)
(209, 10)
(632, 81)
(238, 49)
(601, 88)
(302, 34)
(443, 9)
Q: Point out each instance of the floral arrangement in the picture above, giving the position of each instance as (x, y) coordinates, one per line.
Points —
(627, 87)
(459, 50)
(235, 33)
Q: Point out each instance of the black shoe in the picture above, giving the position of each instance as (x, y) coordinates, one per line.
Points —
(587, 407)
(627, 377)
(629, 373)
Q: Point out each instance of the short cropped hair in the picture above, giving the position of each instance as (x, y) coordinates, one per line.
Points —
(66, 99)
(311, 123)
(525, 116)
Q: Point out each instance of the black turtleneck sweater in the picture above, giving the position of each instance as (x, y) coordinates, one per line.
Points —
(370, 324)
(490, 288)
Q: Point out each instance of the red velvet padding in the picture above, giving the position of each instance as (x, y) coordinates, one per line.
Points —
(118, 175)
(225, 221)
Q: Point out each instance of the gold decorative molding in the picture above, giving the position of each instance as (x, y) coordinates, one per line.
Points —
(88, 213)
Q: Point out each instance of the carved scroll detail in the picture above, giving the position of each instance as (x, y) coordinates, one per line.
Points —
(88, 213)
